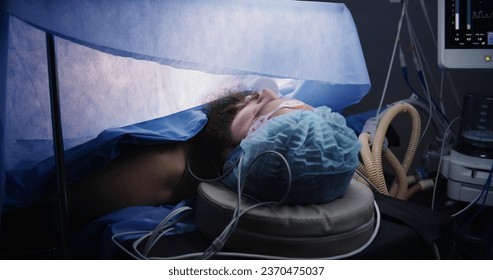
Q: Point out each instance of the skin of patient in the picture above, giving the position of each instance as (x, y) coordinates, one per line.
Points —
(140, 175)
(157, 174)
(254, 106)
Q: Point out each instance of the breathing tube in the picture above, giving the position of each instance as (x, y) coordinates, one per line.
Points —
(374, 145)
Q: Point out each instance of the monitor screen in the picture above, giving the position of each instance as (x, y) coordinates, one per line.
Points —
(465, 34)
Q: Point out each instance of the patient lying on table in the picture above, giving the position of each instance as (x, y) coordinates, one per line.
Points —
(321, 151)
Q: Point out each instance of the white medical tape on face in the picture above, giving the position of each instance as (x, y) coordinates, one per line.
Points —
(260, 121)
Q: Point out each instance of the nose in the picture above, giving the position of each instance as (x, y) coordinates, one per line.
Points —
(267, 95)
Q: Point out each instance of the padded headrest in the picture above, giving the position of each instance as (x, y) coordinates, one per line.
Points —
(315, 230)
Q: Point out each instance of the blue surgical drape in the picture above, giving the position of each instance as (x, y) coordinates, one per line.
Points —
(122, 62)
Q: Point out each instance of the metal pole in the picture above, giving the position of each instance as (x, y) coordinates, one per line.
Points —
(58, 143)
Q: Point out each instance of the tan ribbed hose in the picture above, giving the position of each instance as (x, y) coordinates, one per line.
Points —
(372, 156)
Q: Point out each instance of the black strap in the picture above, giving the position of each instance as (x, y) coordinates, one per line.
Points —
(415, 216)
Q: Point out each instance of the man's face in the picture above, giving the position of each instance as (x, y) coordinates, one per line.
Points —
(255, 106)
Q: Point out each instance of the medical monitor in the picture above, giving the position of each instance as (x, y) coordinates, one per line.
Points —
(465, 34)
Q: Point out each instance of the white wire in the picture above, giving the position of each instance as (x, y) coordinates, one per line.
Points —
(396, 43)
(189, 168)
(273, 257)
(208, 253)
(432, 32)
(427, 17)
(219, 242)
(442, 106)
(447, 131)
(426, 89)
(435, 41)
(453, 89)
(144, 255)
(164, 227)
(436, 252)
(475, 200)
(421, 57)
(368, 181)
(113, 238)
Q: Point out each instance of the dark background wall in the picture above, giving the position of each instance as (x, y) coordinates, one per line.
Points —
(377, 21)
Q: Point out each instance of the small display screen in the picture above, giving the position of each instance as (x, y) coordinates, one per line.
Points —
(469, 24)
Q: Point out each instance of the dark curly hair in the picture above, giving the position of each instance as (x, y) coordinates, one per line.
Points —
(216, 136)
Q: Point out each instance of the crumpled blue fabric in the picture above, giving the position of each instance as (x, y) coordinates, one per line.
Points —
(321, 151)
(94, 241)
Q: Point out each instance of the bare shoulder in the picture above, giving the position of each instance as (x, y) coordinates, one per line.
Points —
(140, 175)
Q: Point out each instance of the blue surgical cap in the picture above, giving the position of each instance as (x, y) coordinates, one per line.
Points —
(322, 153)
